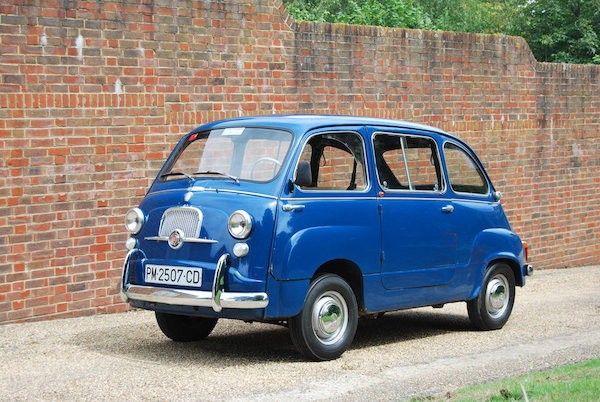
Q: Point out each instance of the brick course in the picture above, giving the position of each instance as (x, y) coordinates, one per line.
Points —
(93, 95)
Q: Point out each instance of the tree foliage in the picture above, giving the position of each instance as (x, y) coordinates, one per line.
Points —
(566, 31)
(389, 13)
(556, 30)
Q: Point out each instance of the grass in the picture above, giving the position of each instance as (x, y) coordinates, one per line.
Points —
(578, 382)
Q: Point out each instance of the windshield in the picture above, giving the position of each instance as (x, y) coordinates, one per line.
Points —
(244, 153)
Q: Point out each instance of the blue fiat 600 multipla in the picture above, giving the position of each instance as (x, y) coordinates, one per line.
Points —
(314, 221)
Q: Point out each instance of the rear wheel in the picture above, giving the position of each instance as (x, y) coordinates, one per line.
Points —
(182, 328)
(327, 324)
(491, 309)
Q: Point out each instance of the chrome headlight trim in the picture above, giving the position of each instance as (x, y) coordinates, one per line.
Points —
(134, 220)
(239, 224)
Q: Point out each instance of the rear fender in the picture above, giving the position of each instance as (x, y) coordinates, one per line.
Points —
(495, 245)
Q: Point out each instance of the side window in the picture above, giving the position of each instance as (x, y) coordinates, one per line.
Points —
(407, 163)
(464, 175)
(337, 162)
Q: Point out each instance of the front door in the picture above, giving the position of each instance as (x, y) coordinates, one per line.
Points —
(332, 216)
(418, 243)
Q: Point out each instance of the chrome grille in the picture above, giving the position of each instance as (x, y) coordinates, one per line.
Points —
(186, 219)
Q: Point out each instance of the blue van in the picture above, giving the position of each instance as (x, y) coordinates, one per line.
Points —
(314, 221)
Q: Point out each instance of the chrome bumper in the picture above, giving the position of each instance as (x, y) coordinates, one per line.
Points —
(528, 270)
(217, 298)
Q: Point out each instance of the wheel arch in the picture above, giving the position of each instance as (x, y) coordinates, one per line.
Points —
(509, 261)
(514, 266)
(348, 271)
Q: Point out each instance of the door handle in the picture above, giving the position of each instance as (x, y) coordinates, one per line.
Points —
(448, 208)
(290, 207)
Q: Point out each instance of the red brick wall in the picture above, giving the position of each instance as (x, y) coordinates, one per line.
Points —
(93, 95)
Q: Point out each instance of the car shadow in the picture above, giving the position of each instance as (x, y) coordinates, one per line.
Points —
(407, 325)
(236, 343)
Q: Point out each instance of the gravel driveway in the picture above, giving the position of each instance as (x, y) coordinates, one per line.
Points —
(556, 320)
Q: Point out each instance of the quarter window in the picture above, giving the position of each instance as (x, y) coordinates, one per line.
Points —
(407, 163)
(464, 174)
(337, 162)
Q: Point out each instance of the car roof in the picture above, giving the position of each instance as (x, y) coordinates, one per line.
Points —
(301, 123)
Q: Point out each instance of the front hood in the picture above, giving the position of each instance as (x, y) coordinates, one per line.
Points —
(215, 205)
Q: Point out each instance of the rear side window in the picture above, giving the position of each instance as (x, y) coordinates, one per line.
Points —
(407, 163)
(464, 174)
(337, 162)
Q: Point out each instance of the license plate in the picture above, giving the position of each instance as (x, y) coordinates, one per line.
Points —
(169, 275)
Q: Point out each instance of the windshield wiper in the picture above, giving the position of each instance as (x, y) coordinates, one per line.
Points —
(235, 179)
(177, 173)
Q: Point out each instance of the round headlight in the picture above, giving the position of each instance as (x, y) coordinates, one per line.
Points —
(240, 224)
(134, 220)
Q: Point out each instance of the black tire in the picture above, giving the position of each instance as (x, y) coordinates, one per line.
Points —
(182, 328)
(492, 307)
(327, 324)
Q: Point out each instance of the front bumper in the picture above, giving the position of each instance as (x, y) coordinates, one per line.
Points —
(217, 298)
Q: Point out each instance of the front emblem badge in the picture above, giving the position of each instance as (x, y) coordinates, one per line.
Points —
(176, 239)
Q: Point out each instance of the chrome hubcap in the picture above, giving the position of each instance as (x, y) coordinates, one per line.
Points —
(497, 296)
(330, 317)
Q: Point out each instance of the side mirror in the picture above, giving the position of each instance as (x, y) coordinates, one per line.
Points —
(303, 175)
(497, 195)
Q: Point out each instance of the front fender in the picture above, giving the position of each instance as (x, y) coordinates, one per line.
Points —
(306, 250)
(491, 245)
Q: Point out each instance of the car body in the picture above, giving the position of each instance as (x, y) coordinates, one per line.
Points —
(313, 221)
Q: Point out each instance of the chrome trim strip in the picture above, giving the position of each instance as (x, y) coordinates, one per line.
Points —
(477, 163)
(272, 197)
(475, 201)
(369, 182)
(327, 198)
(196, 298)
(445, 180)
(391, 197)
(219, 283)
(403, 145)
(195, 188)
(214, 190)
(123, 287)
(184, 240)
(217, 298)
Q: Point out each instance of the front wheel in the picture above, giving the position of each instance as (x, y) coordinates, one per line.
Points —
(491, 309)
(181, 328)
(327, 324)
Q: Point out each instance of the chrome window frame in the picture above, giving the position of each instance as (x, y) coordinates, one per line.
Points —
(445, 186)
(365, 164)
(477, 165)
